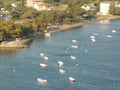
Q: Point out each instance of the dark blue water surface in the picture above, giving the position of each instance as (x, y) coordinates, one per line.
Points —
(97, 66)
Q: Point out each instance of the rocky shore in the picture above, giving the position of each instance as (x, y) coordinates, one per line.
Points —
(18, 43)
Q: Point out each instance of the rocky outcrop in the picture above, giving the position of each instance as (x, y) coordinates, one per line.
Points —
(18, 43)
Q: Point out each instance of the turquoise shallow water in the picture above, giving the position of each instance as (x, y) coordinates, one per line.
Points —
(97, 66)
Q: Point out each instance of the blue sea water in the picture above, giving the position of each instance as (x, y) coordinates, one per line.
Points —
(97, 66)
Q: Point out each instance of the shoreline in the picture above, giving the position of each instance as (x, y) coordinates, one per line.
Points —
(24, 43)
(21, 43)
(66, 27)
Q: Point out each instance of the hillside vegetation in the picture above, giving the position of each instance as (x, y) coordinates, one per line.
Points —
(44, 20)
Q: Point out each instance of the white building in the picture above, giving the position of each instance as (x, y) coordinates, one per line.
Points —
(89, 7)
(104, 7)
(43, 6)
(38, 5)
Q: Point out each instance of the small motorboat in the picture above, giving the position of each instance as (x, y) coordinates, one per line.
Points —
(40, 80)
(61, 71)
(60, 63)
(46, 58)
(71, 79)
(43, 65)
(75, 46)
(74, 41)
(48, 34)
(73, 57)
(93, 40)
(42, 55)
(92, 37)
(113, 31)
(109, 36)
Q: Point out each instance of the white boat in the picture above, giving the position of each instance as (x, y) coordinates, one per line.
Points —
(75, 46)
(93, 40)
(92, 37)
(43, 65)
(109, 36)
(42, 54)
(61, 71)
(40, 80)
(71, 79)
(113, 31)
(74, 41)
(73, 57)
(48, 34)
(60, 63)
(46, 58)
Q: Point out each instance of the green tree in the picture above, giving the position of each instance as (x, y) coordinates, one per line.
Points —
(91, 14)
(2, 35)
(67, 20)
(112, 9)
(117, 10)
(27, 29)
(75, 13)
(29, 13)
(9, 30)
(40, 24)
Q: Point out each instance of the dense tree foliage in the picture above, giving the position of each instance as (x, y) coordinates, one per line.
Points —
(9, 30)
(114, 10)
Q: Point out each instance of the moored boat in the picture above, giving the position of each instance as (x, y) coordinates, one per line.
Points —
(71, 79)
(60, 63)
(40, 80)
(75, 46)
(73, 57)
(61, 71)
(74, 41)
(43, 65)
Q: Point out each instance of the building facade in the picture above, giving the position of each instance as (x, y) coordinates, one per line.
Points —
(89, 6)
(29, 3)
(104, 7)
(38, 5)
